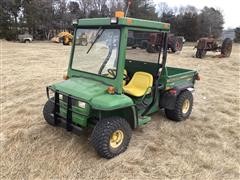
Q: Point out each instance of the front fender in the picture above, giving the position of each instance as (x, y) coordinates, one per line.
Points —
(116, 105)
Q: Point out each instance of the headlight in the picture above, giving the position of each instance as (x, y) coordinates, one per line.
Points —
(60, 96)
(51, 93)
(81, 104)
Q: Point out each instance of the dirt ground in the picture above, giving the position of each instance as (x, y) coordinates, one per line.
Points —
(206, 146)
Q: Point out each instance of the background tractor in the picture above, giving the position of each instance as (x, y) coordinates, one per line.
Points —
(63, 37)
(175, 43)
(151, 42)
(210, 44)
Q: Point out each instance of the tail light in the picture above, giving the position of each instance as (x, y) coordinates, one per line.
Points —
(173, 91)
(197, 77)
(119, 14)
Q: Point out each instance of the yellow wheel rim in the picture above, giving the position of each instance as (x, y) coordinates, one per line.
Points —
(116, 139)
(186, 105)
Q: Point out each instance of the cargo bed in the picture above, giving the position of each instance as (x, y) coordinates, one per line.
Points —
(172, 77)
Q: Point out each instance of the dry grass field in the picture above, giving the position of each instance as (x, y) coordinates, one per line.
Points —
(206, 146)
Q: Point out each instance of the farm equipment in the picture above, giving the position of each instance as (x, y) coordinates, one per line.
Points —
(113, 95)
(175, 43)
(25, 38)
(64, 37)
(137, 39)
(151, 41)
(210, 44)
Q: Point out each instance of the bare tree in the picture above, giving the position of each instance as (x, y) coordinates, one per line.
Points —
(163, 8)
(211, 21)
(85, 6)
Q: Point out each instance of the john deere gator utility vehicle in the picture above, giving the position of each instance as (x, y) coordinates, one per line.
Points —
(112, 89)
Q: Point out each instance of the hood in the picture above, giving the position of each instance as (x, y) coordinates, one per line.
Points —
(85, 89)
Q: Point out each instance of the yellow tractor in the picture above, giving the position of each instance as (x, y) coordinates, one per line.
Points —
(64, 37)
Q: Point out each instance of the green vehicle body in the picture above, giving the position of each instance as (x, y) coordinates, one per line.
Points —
(94, 97)
(92, 89)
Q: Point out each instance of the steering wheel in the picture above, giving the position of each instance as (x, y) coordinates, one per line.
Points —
(113, 73)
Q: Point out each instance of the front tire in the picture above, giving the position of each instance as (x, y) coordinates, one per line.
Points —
(111, 136)
(27, 41)
(183, 107)
(201, 53)
(48, 110)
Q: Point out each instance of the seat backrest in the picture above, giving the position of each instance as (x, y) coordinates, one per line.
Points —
(141, 80)
(133, 66)
(124, 77)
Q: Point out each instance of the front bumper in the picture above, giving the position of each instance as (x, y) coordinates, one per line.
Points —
(66, 113)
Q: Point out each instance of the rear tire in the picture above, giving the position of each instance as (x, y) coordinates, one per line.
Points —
(105, 140)
(179, 44)
(144, 45)
(151, 49)
(183, 107)
(226, 47)
(176, 45)
(48, 110)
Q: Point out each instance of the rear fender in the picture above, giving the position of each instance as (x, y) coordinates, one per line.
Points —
(168, 98)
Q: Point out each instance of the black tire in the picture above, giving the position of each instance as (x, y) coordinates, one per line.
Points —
(177, 114)
(226, 47)
(27, 41)
(101, 136)
(176, 45)
(130, 42)
(144, 45)
(198, 53)
(201, 53)
(48, 110)
(179, 44)
(65, 43)
(151, 49)
(61, 40)
(84, 43)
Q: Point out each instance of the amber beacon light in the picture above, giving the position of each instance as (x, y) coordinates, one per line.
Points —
(119, 14)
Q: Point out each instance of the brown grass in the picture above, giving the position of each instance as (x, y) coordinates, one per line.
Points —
(206, 146)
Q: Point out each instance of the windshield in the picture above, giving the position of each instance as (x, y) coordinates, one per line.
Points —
(96, 51)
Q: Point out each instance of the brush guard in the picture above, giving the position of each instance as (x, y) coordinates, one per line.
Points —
(61, 121)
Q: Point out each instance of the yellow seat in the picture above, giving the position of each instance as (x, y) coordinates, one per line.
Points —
(139, 85)
(124, 76)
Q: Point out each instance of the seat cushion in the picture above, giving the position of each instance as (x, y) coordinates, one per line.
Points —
(139, 85)
(138, 92)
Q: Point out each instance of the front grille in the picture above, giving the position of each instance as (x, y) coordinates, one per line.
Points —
(65, 100)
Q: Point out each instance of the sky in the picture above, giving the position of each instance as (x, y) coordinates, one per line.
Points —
(229, 8)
